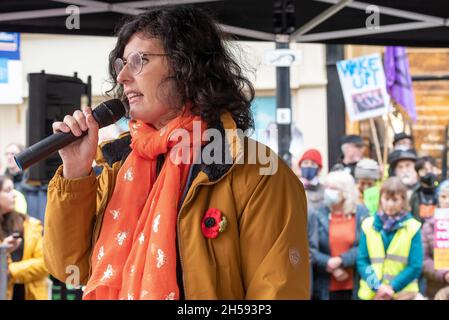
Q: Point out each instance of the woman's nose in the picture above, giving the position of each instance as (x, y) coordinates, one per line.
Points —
(124, 75)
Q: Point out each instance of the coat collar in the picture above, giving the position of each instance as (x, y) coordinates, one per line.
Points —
(110, 152)
(323, 215)
(400, 224)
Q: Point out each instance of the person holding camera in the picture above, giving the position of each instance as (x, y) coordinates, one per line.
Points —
(27, 274)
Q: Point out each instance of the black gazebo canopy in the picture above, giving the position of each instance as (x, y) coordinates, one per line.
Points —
(402, 22)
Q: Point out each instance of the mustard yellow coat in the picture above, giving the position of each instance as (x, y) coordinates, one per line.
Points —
(31, 270)
(262, 254)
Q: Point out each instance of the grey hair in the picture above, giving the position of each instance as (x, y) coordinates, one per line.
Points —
(346, 184)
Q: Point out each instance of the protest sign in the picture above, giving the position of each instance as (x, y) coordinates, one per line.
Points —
(441, 242)
(364, 87)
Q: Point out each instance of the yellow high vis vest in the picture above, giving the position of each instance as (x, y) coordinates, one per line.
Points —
(388, 265)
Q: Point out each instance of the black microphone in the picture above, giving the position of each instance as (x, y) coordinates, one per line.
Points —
(105, 114)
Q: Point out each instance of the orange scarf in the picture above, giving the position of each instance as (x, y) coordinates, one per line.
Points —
(135, 255)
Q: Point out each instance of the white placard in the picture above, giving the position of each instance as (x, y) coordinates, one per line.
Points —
(441, 239)
(364, 87)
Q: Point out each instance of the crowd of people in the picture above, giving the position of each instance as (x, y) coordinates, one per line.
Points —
(371, 227)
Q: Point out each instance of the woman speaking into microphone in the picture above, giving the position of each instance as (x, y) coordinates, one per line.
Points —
(168, 218)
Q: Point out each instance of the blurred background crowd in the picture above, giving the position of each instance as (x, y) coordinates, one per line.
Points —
(371, 227)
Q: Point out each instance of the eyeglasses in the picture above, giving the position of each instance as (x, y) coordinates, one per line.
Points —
(134, 61)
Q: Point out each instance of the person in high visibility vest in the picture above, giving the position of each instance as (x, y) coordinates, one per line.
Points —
(390, 253)
(367, 175)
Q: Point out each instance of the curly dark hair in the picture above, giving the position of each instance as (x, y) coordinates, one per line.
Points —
(204, 71)
(420, 163)
(10, 221)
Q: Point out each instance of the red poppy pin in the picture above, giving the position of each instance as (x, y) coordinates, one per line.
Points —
(213, 223)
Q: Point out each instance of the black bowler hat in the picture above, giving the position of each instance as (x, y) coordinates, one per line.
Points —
(398, 155)
(352, 138)
(401, 136)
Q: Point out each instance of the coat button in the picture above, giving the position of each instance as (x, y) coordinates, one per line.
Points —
(209, 222)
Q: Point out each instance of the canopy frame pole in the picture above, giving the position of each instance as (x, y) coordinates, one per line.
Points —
(407, 26)
(3, 271)
(323, 16)
(389, 11)
(92, 6)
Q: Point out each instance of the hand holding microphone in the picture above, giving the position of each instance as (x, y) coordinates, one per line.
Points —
(78, 156)
(76, 138)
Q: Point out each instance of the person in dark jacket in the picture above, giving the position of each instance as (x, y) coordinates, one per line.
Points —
(403, 142)
(334, 231)
(35, 195)
(352, 148)
(310, 166)
(423, 200)
(402, 165)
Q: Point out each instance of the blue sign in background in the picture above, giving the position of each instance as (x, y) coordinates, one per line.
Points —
(3, 70)
(10, 45)
(264, 113)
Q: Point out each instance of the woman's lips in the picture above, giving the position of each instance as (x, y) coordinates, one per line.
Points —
(134, 99)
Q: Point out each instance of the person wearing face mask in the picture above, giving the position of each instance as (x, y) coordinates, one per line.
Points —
(367, 175)
(390, 255)
(310, 166)
(403, 142)
(402, 165)
(334, 230)
(352, 148)
(423, 201)
(437, 280)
